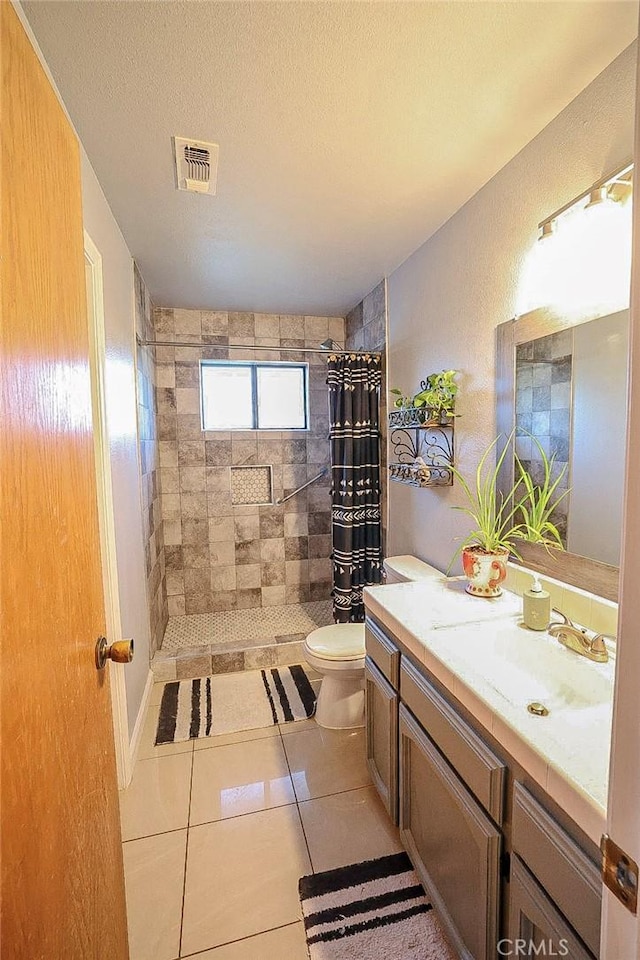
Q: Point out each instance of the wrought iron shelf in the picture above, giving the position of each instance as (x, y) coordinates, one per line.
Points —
(414, 437)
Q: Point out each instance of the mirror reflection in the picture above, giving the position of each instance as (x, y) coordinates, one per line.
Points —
(571, 395)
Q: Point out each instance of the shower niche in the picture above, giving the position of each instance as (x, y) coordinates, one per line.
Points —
(421, 451)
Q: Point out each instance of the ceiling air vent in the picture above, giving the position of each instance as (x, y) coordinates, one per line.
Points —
(196, 165)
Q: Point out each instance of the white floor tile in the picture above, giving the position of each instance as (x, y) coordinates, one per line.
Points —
(154, 879)
(157, 799)
(287, 943)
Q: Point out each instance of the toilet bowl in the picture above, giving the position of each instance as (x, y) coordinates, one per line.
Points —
(337, 653)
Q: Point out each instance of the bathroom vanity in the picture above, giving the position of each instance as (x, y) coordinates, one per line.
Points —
(500, 809)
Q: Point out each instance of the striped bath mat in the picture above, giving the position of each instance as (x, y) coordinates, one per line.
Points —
(371, 910)
(230, 702)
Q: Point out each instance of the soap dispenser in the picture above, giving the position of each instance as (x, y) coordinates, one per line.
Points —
(536, 609)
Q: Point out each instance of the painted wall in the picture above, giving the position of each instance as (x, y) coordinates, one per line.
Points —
(446, 300)
(122, 428)
(221, 556)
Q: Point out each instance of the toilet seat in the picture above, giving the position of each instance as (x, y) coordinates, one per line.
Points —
(339, 641)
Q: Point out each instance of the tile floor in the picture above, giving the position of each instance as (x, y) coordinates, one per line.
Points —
(238, 628)
(216, 833)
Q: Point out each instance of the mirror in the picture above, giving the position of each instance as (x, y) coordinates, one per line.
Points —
(566, 385)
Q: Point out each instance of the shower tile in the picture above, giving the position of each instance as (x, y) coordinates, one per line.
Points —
(273, 574)
(190, 453)
(247, 528)
(173, 558)
(197, 582)
(227, 662)
(188, 667)
(217, 452)
(223, 601)
(222, 553)
(199, 603)
(187, 323)
(297, 593)
(292, 327)
(187, 374)
(273, 596)
(320, 590)
(174, 583)
(170, 480)
(296, 525)
(192, 479)
(244, 452)
(319, 546)
(172, 532)
(214, 323)
(195, 531)
(248, 576)
(241, 325)
(167, 426)
(194, 503)
(223, 579)
(294, 451)
(320, 569)
(171, 506)
(267, 325)
(260, 657)
(336, 328)
(248, 599)
(272, 550)
(168, 453)
(189, 426)
(297, 571)
(218, 479)
(248, 551)
(166, 400)
(221, 528)
(316, 328)
(196, 555)
(188, 400)
(271, 527)
(296, 548)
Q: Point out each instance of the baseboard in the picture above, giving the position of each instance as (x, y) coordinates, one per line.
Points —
(136, 735)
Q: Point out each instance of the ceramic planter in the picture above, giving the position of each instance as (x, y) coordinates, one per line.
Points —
(485, 571)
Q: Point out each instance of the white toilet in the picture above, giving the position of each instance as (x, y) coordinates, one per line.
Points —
(337, 652)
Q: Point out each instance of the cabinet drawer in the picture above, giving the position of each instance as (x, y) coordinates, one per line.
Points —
(481, 770)
(383, 652)
(570, 878)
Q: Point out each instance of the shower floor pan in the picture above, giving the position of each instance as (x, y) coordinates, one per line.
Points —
(205, 643)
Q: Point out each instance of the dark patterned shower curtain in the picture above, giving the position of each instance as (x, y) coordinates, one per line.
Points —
(354, 395)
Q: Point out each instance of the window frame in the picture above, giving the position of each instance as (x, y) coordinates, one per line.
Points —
(253, 365)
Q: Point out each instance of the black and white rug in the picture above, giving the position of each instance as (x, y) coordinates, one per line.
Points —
(371, 910)
(231, 702)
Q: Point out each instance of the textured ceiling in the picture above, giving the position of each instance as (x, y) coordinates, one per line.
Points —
(348, 131)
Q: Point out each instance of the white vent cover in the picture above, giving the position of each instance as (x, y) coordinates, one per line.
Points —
(196, 165)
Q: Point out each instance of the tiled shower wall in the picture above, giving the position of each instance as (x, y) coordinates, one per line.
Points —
(149, 467)
(221, 556)
(366, 329)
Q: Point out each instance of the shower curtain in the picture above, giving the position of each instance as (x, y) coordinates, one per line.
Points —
(354, 393)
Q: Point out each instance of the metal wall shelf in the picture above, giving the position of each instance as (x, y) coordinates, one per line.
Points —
(413, 436)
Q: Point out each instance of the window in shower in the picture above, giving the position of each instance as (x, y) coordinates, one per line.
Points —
(241, 395)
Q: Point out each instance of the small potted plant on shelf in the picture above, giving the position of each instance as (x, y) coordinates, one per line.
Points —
(501, 520)
(435, 400)
(438, 394)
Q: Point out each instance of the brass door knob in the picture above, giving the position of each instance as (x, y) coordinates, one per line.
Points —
(121, 652)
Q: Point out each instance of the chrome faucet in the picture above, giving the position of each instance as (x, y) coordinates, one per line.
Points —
(576, 639)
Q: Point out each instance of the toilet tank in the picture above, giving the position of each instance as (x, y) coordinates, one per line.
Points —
(405, 568)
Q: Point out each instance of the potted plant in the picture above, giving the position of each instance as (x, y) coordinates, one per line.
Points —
(501, 520)
(438, 394)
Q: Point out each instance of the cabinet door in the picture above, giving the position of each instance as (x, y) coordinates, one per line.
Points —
(539, 928)
(381, 712)
(454, 846)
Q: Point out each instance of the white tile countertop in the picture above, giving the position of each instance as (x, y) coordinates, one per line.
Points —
(483, 654)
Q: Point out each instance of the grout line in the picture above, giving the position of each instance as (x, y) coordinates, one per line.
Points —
(306, 841)
(161, 833)
(252, 936)
(186, 855)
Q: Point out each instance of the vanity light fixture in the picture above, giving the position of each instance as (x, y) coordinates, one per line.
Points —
(615, 186)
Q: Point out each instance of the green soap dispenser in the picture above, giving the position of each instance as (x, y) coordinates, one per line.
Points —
(536, 606)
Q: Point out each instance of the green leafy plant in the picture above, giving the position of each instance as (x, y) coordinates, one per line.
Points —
(401, 400)
(522, 513)
(440, 392)
(538, 504)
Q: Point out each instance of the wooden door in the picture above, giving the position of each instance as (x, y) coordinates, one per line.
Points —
(62, 878)
(381, 727)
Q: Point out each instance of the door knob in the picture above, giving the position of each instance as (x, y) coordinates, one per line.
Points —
(121, 651)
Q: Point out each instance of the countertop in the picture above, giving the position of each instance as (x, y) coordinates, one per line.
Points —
(483, 654)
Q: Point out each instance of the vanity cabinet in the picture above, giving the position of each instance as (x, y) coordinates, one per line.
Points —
(381, 671)
(381, 711)
(494, 861)
(454, 846)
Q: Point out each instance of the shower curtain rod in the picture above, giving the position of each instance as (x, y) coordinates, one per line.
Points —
(248, 346)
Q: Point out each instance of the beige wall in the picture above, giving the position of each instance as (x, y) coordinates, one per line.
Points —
(446, 300)
(120, 377)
